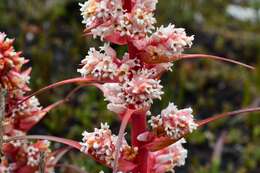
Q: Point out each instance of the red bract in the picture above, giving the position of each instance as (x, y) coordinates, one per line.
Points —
(129, 83)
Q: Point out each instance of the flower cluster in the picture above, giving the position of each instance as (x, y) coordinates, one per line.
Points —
(166, 41)
(168, 158)
(108, 19)
(101, 64)
(24, 157)
(15, 81)
(12, 77)
(18, 156)
(173, 122)
(101, 144)
(135, 85)
(137, 93)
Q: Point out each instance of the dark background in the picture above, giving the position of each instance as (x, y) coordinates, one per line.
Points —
(50, 34)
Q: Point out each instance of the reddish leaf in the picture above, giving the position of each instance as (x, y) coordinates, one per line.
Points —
(126, 118)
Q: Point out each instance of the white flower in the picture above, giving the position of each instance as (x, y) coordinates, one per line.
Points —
(139, 91)
(33, 156)
(100, 64)
(102, 144)
(168, 41)
(175, 123)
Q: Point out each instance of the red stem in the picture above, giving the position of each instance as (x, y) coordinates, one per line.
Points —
(127, 5)
(139, 126)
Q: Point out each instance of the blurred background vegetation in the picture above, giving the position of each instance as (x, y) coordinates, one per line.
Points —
(50, 34)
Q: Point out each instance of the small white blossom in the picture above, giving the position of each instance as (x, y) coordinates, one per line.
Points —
(102, 144)
(175, 123)
(170, 40)
(99, 64)
(139, 91)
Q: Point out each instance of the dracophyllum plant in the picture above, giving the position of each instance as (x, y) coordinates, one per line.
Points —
(130, 84)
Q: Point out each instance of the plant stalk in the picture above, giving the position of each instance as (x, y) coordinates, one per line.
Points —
(2, 114)
(139, 126)
(42, 162)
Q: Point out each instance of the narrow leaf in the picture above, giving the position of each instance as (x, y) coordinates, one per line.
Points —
(194, 56)
(124, 123)
(71, 143)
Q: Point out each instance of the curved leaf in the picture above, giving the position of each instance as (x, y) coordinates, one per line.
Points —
(126, 118)
(160, 143)
(165, 59)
